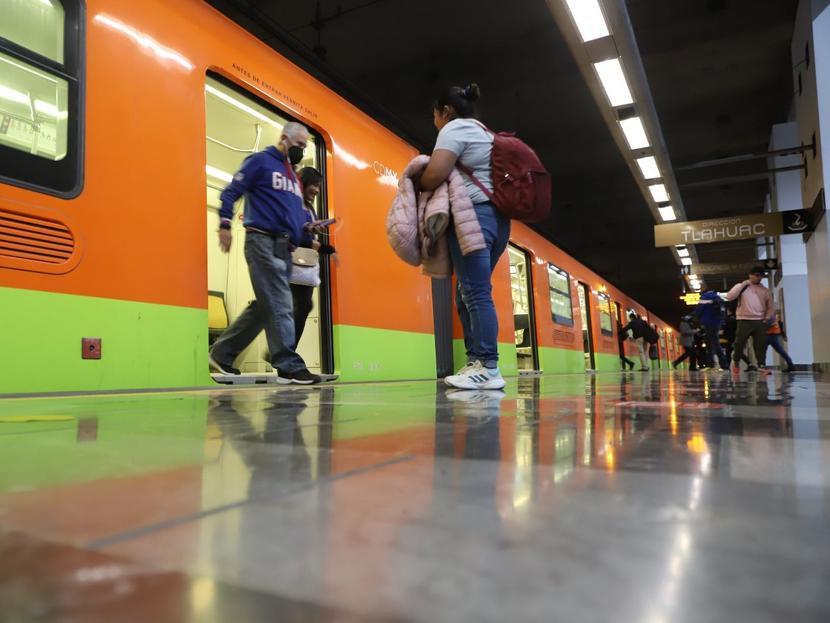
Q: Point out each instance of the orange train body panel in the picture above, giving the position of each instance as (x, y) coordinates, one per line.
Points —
(549, 333)
(143, 202)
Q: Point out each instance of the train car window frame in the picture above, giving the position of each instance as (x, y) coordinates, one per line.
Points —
(605, 310)
(553, 292)
(60, 177)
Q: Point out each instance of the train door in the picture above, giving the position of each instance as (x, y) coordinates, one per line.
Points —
(239, 125)
(587, 330)
(524, 319)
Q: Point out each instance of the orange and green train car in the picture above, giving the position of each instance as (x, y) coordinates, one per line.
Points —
(121, 121)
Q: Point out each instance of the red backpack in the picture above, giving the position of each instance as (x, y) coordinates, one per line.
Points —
(521, 185)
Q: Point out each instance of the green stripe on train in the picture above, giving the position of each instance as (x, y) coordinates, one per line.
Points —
(561, 360)
(144, 345)
(368, 354)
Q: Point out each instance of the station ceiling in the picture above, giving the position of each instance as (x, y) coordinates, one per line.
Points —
(719, 72)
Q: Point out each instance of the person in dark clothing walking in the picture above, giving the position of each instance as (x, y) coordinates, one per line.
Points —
(301, 292)
(621, 338)
(687, 340)
(774, 334)
(639, 329)
(709, 313)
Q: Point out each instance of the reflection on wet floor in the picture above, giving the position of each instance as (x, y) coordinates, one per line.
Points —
(653, 497)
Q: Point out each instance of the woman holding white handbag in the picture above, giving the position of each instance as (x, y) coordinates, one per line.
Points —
(305, 269)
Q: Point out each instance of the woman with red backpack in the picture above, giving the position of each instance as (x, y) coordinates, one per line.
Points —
(464, 141)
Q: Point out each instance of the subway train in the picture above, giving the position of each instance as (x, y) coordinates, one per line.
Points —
(120, 123)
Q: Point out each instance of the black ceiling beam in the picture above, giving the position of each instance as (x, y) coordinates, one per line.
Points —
(739, 179)
(788, 151)
(293, 48)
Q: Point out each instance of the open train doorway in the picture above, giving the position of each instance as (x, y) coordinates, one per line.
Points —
(524, 318)
(584, 293)
(238, 125)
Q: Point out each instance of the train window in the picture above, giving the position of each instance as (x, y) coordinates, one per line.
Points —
(605, 315)
(36, 25)
(559, 284)
(41, 79)
(34, 107)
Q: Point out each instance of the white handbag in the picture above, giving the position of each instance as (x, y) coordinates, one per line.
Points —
(305, 267)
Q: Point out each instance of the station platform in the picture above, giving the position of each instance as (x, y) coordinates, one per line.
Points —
(654, 497)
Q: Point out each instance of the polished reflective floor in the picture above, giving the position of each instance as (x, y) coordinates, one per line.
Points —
(654, 498)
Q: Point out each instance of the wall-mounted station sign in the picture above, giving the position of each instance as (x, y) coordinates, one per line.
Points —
(732, 228)
(735, 268)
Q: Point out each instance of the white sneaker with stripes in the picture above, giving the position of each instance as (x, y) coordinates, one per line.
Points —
(476, 376)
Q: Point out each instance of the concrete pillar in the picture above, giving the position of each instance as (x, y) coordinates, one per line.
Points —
(790, 283)
(811, 79)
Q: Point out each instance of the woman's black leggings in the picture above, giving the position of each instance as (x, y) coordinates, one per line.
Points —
(303, 303)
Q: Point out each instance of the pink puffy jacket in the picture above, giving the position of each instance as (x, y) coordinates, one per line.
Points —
(416, 225)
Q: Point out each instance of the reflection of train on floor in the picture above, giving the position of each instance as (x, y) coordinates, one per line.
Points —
(119, 123)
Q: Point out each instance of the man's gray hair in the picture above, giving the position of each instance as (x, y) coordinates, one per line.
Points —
(292, 129)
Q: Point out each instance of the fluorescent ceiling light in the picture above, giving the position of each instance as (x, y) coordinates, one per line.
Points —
(686, 261)
(667, 214)
(683, 252)
(611, 76)
(241, 106)
(589, 19)
(634, 132)
(13, 96)
(658, 192)
(648, 166)
(44, 108)
(219, 174)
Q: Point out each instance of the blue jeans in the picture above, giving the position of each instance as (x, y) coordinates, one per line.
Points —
(715, 349)
(474, 295)
(774, 340)
(272, 310)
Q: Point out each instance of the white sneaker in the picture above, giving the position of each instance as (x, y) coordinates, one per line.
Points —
(475, 376)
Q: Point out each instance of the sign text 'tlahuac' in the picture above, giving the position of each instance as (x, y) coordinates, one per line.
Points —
(730, 228)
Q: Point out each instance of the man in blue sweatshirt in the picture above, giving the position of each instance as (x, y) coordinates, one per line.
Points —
(274, 226)
(709, 312)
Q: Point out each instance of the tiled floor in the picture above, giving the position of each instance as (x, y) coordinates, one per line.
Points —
(650, 498)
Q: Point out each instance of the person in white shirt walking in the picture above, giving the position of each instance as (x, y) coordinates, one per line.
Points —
(755, 312)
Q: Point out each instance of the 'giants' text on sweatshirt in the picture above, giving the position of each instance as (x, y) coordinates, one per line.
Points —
(273, 195)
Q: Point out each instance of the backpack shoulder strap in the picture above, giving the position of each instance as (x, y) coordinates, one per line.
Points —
(469, 173)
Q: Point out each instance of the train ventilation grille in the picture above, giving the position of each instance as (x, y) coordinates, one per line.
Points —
(34, 239)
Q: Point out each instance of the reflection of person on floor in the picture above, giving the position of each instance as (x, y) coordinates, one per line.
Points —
(477, 463)
(279, 464)
(263, 452)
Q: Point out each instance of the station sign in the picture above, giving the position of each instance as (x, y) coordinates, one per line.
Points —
(735, 268)
(691, 298)
(731, 228)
